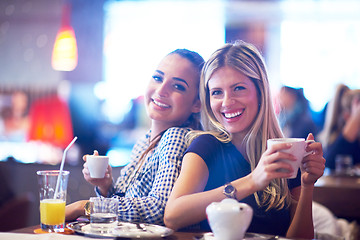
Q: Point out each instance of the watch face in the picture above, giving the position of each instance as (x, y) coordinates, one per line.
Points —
(87, 208)
(229, 189)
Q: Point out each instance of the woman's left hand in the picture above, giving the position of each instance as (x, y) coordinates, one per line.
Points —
(313, 165)
(75, 210)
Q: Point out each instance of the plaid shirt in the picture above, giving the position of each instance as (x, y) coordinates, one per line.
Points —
(143, 193)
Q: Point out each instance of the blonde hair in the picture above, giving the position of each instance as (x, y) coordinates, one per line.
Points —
(245, 58)
(337, 107)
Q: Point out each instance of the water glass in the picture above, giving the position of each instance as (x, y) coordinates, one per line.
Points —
(343, 164)
(103, 214)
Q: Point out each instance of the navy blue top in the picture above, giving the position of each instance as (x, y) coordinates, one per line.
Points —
(226, 164)
(341, 146)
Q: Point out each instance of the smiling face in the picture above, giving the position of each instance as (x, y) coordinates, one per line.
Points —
(171, 95)
(233, 100)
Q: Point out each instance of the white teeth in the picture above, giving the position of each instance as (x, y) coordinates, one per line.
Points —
(232, 115)
(160, 104)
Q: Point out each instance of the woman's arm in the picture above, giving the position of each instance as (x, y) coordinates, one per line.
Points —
(301, 211)
(301, 208)
(352, 126)
(75, 210)
(187, 203)
(148, 192)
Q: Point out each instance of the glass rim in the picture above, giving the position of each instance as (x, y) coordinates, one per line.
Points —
(287, 139)
(52, 172)
(92, 199)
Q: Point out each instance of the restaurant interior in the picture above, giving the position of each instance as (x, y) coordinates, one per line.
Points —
(91, 87)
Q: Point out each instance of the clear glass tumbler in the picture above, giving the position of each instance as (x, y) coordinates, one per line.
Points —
(52, 199)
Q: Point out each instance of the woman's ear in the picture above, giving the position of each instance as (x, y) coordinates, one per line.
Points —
(196, 106)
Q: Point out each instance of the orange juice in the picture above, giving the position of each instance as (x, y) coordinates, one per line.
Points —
(52, 211)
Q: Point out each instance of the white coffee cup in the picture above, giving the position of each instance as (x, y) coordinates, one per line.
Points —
(297, 149)
(229, 219)
(97, 165)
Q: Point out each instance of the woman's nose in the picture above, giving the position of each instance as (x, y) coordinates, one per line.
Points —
(228, 100)
(163, 89)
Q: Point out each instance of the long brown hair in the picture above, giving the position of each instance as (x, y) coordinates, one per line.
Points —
(334, 120)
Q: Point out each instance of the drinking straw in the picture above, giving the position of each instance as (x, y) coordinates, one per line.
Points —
(62, 166)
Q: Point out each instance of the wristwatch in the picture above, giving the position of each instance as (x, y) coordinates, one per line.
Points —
(229, 191)
(87, 208)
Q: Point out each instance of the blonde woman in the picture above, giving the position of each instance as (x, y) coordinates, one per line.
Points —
(231, 159)
(341, 134)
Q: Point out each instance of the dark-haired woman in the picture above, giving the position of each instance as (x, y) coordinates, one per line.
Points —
(173, 105)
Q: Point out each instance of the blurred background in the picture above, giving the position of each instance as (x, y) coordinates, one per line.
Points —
(79, 68)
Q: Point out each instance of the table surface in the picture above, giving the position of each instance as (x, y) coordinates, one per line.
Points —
(334, 181)
(340, 194)
(174, 236)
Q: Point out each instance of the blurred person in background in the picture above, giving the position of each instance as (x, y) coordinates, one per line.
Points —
(15, 119)
(341, 133)
(295, 115)
(173, 106)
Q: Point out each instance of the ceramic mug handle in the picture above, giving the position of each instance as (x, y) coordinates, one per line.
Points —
(307, 143)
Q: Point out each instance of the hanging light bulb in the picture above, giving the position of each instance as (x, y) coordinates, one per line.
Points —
(65, 55)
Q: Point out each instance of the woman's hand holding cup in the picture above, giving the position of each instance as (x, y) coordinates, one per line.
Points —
(298, 149)
(313, 165)
(271, 167)
(97, 171)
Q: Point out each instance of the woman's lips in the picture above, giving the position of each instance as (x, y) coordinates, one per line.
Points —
(160, 104)
(232, 115)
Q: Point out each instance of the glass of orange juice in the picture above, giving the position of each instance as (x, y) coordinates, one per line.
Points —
(52, 199)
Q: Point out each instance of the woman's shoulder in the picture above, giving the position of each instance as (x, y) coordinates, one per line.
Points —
(176, 131)
(207, 146)
(174, 135)
(205, 141)
(206, 138)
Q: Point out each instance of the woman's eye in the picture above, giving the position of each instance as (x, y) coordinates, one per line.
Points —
(157, 78)
(238, 88)
(180, 87)
(216, 92)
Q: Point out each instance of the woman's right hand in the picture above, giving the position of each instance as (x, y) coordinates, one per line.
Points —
(352, 126)
(102, 183)
(268, 167)
(355, 109)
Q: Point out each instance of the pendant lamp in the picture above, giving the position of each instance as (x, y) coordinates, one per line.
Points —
(65, 54)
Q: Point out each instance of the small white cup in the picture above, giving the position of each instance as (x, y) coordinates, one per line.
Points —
(229, 219)
(97, 165)
(297, 149)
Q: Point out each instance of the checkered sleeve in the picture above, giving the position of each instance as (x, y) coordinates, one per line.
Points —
(146, 198)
